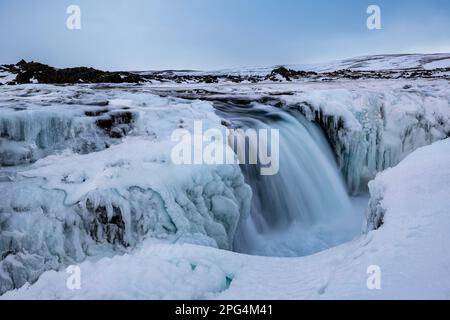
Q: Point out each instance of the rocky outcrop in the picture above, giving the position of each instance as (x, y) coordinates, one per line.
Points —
(197, 77)
(34, 72)
(282, 73)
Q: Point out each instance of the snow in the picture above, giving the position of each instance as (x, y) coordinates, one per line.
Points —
(444, 63)
(88, 190)
(382, 62)
(6, 76)
(363, 63)
(86, 179)
(411, 248)
(385, 62)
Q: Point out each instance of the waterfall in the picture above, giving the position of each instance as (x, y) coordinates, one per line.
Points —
(305, 207)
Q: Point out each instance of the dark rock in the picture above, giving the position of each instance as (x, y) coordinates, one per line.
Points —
(101, 228)
(101, 103)
(116, 124)
(28, 71)
(226, 123)
(289, 74)
(95, 113)
(21, 63)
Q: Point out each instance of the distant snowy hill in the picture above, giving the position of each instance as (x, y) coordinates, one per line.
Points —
(364, 63)
(379, 66)
(405, 66)
(384, 62)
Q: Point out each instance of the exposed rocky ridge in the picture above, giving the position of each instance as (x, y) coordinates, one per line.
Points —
(34, 72)
(282, 74)
(196, 77)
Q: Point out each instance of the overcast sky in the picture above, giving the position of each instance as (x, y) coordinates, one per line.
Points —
(215, 34)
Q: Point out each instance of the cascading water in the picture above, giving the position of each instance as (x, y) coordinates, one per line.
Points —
(305, 207)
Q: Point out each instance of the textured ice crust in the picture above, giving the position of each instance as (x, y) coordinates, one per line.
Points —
(27, 136)
(43, 228)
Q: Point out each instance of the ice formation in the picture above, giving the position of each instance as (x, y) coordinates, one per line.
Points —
(71, 204)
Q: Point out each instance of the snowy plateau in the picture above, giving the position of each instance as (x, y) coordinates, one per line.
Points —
(86, 179)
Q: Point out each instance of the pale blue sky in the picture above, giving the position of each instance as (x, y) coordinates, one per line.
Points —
(213, 34)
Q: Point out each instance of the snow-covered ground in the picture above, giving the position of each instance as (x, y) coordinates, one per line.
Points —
(410, 248)
(6, 76)
(384, 62)
(86, 178)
